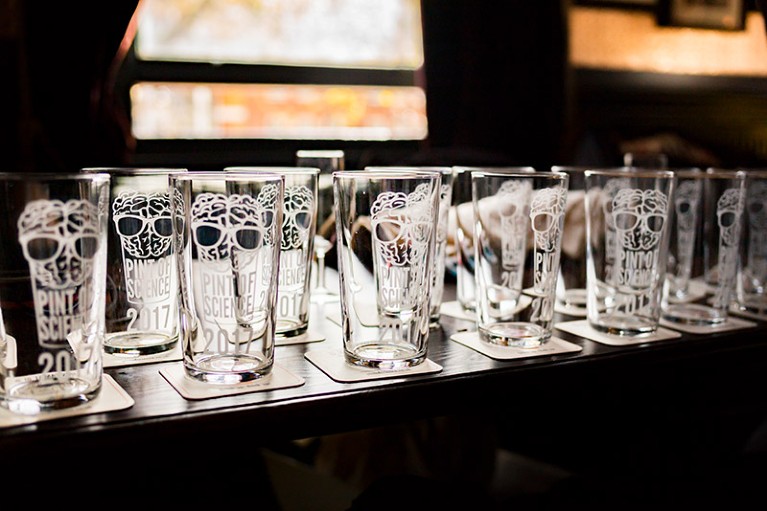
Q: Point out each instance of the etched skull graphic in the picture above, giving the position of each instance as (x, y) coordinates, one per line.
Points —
(514, 208)
(546, 212)
(401, 226)
(230, 228)
(729, 208)
(756, 205)
(298, 213)
(639, 217)
(143, 223)
(686, 201)
(59, 241)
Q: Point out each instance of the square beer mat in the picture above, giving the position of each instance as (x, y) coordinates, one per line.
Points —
(111, 398)
(554, 346)
(279, 378)
(332, 363)
(582, 328)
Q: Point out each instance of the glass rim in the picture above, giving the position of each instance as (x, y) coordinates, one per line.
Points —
(206, 175)
(631, 172)
(758, 173)
(718, 173)
(53, 176)
(260, 169)
(548, 175)
(361, 175)
(495, 168)
(442, 169)
(134, 171)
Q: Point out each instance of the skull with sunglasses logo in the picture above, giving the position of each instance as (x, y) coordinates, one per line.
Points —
(639, 217)
(297, 217)
(59, 240)
(230, 228)
(143, 223)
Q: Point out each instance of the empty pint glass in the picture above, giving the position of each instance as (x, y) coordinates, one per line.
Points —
(517, 235)
(751, 290)
(627, 217)
(52, 289)
(440, 248)
(386, 230)
(227, 230)
(142, 289)
(709, 204)
(299, 226)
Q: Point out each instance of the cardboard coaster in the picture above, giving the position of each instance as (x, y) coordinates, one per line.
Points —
(695, 291)
(735, 309)
(332, 363)
(582, 328)
(730, 324)
(280, 378)
(171, 355)
(305, 338)
(455, 310)
(554, 346)
(570, 310)
(111, 398)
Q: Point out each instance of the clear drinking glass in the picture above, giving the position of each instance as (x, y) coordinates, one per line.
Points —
(299, 226)
(464, 230)
(142, 282)
(518, 225)
(386, 230)
(707, 214)
(571, 284)
(328, 161)
(445, 201)
(227, 230)
(52, 289)
(627, 217)
(751, 289)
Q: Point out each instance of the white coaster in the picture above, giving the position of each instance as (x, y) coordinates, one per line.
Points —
(455, 310)
(747, 314)
(171, 355)
(279, 378)
(304, 338)
(112, 397)
(332, 363)
(554, 346)
(582, 328)
(696, 290)
(570, 310)
(730, 324)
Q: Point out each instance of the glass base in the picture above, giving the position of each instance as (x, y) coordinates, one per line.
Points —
(390, 357)
(516, 334)
(288, 329)
(624, 326)
(44, 393)
(229, 369)
(136, 343)
(694, 314)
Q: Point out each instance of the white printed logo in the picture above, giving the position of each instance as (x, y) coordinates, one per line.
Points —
(401, 226)
(756, 258)
(686, 201)
(229, 234)
(612, 186)
(59, 241)
(546, 214)
(639, 217)
(729, 209)
(144, 226)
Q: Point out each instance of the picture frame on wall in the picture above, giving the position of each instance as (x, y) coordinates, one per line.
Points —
(707, 14)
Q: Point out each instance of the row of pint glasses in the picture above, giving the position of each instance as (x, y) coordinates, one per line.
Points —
(630, 246)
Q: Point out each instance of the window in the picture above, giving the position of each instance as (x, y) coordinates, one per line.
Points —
(278, 70)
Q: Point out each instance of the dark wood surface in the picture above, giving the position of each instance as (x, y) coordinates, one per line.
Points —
(469, 382)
